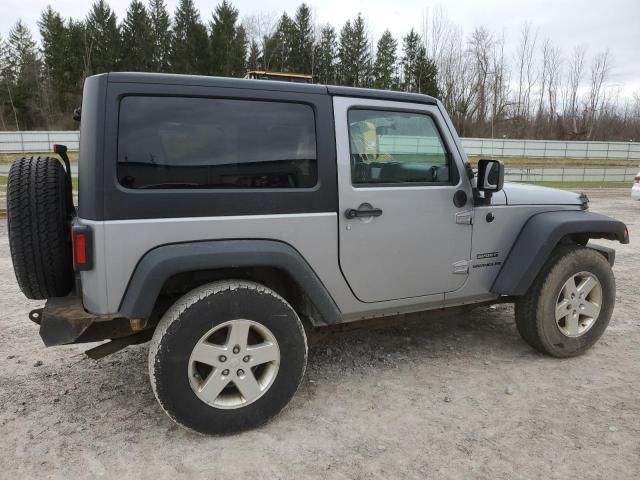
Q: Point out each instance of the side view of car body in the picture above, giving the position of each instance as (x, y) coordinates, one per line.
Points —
(635, 189)
(223, 218)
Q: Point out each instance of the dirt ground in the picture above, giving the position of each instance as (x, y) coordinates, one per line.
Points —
(459, 398)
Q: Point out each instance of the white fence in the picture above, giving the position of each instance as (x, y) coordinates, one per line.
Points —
(552, 149)
(571, 174)
(37, 141)
(41, 141)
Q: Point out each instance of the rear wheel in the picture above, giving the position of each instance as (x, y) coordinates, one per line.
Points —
(227, 357)
(37, 213)
(568, 307)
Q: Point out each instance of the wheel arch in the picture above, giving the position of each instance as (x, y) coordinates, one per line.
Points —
(542, 233)
(176, 268)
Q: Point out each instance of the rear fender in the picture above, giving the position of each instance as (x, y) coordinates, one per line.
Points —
(161, 263)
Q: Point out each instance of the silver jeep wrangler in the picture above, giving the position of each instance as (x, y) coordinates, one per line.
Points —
(224, 219)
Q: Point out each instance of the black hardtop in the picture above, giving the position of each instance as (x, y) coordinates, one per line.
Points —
(273, 85)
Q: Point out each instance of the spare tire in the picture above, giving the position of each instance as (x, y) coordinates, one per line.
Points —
(38, 220)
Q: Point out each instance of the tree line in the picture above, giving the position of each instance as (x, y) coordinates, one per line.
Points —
(536, 93)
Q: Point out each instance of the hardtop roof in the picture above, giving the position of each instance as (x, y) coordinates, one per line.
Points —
(274, 85)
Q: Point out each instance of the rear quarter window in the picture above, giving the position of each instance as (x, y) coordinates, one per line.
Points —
(184, 142)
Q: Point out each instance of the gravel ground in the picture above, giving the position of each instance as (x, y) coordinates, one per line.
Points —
(456, 398)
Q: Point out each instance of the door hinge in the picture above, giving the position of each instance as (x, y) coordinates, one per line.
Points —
(464, 218)
(461, 266)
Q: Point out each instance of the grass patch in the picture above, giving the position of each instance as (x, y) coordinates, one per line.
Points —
(554, 162)
(578, 185)
(10, 157)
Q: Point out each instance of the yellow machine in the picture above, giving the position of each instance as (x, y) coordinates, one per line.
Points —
(282, 76)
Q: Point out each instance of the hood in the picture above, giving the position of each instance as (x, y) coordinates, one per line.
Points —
(523, 194)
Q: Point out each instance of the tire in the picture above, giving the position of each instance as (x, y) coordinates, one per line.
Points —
(535, 312)
(179, 381)
(38, 226)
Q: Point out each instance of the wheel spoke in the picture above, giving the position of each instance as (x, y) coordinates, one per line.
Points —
(561, 309)
(213, 385)
(590, 310)
(238, 333)
(571, 324)
(263, 353)
(586, 286)
(208, 353)
(248, 386)
(570, 288)
(241, 372)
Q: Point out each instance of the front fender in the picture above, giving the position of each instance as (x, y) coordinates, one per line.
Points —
(540, 235)
(161, 263)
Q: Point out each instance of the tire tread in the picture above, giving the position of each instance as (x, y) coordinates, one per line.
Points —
(40, 247)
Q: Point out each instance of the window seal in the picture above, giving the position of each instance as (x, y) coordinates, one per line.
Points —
(454, 181)
(204, 189)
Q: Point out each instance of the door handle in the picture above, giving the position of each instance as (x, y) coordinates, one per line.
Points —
(364, 210)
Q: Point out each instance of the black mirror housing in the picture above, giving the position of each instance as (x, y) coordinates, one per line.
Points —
(490, 175)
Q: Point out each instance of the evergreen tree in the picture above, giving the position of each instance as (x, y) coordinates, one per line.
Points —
(3, 93)
(137, 39)
(254, 60)
(228, 42)
(302, 41)
(190, 48)
(355, 54)
(160, 25)
(280, 45)
(102, 44)
(21, 78)
(427, 80)
(420, 73)
(239, 52)
(325, 56)
(54, 39)
(385, 66)
(345, 55)
(77, 63)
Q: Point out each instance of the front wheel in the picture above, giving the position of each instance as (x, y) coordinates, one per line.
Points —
(569, 305)
(227, 357)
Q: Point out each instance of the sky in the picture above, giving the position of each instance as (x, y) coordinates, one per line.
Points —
(597, 24)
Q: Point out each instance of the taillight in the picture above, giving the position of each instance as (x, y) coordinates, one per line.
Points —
(636, 179)
(82, 247)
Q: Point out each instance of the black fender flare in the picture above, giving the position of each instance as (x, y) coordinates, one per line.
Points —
(162, 262)
(540, 235)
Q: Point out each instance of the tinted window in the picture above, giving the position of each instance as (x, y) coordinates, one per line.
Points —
(171, 142)
(396, 147)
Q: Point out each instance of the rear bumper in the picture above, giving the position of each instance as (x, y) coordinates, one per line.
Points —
(64, 320)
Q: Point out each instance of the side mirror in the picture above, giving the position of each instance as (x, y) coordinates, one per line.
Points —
(490, 175)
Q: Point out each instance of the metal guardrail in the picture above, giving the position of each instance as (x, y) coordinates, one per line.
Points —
(552, 149)
(38, 141)
(41, 141)
(571, 174)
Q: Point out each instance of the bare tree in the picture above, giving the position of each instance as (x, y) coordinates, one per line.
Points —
(596, 97)
(574, 78)
(526, 70)
(499, 84)
(260, 27)
(480, 46)
(554, 71)
(456, 78)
